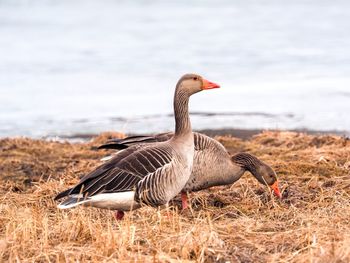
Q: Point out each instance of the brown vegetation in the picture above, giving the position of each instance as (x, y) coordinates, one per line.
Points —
(238, 223)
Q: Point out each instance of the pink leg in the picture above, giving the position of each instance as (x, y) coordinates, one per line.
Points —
(118, 215)
(184, 200)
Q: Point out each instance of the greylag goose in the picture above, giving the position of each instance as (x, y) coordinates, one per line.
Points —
(150, 175)
(212, 165)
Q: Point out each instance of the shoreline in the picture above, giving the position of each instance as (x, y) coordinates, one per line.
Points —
(243, 134)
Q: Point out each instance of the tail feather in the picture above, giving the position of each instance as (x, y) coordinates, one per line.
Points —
(116, 146)
(123, 201)
(120, 144)
(63, 194)
(72, 201)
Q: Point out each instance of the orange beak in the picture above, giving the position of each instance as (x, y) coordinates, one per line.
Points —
(209, 85)
(276, 190)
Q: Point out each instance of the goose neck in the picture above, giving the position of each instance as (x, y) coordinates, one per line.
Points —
(247, 162)
(182, 119)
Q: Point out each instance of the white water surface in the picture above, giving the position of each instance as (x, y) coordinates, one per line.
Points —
(80, 67)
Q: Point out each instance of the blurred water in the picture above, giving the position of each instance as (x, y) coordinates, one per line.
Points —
(70, 67)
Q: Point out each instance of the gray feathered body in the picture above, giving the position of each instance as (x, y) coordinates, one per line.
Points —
(168, 180)
(212, 165)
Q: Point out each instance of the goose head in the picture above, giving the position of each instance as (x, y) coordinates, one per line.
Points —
(266, 175)
(193, 83)
(260, 170)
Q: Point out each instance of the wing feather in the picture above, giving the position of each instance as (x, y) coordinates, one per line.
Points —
(122, 173)
(120, 144)
(151, 189)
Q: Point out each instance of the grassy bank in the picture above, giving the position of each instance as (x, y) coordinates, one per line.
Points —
(238, 223)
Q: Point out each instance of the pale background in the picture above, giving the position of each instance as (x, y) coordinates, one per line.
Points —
(69, 67)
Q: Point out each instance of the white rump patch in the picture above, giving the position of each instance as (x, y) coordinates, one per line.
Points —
(123, 201)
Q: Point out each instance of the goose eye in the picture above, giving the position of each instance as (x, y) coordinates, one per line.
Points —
(195, 78)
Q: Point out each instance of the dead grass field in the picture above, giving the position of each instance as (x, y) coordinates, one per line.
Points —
(238, 223)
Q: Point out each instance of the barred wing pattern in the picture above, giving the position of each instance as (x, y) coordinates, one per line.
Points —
(211, 165)
(125, 171)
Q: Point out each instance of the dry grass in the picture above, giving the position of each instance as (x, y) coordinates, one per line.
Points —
(239, 223)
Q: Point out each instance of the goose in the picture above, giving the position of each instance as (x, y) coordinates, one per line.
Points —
(151, 175)
(212, 165)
